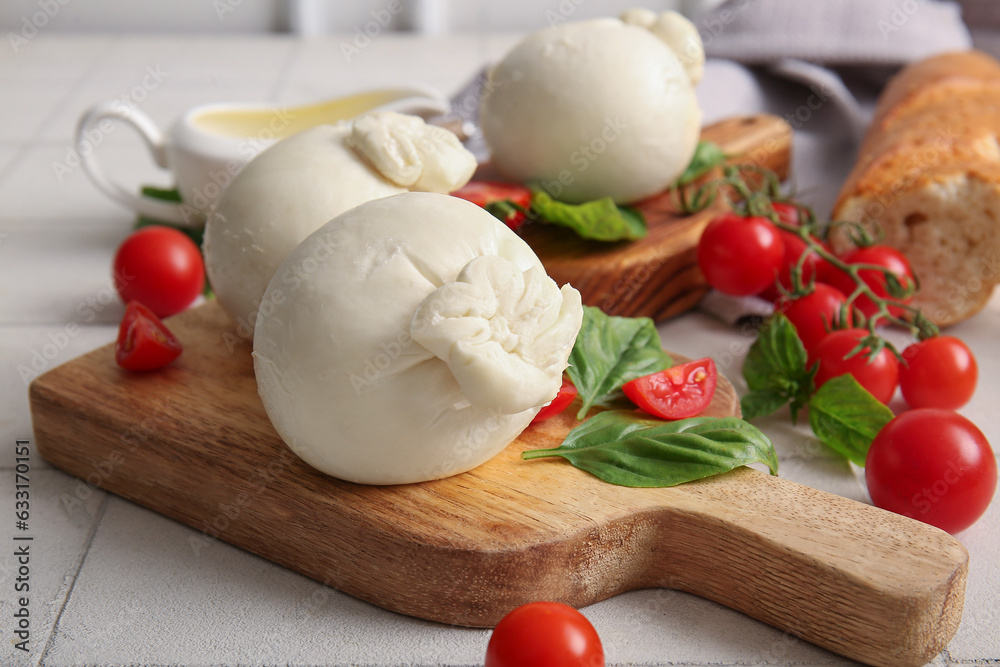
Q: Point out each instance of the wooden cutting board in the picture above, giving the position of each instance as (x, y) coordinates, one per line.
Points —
(658, 276)
(193, 442)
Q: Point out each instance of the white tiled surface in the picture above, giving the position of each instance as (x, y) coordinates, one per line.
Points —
(115, 584)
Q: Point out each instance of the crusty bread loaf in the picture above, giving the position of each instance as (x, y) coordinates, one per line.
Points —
(928, 175)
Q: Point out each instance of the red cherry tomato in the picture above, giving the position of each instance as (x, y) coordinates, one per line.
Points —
(880, 376)
(940, 372)
(795, 247)
(740, 255)
(161, 267)
(676, 393)
(144, 342)
(567, 392)
(483, 193)
(878, 255)
(544, 634)
(814, 314)
(932, 465)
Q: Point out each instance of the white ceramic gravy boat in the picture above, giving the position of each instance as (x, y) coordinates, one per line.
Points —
(207, 146)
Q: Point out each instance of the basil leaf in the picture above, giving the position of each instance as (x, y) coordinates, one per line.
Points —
(707, 156)
(846, 418)
(776, 366)
(599, 220)
(626, 449)
(609, 351)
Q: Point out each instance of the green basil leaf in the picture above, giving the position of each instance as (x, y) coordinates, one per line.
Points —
(599, 220)
(846, 418)
(761, 403)
(626, 449)
(609, 351)
(776, 366)
(707, 156)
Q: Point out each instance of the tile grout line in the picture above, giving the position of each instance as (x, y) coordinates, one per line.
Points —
(75, 576)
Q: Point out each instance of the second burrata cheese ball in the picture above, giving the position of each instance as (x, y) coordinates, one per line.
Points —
(597, 108)
(299, 184)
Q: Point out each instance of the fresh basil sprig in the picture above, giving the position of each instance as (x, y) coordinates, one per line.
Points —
(775, 371)
(843, 414)
(598, 220)
(611, 351)
(624, 448)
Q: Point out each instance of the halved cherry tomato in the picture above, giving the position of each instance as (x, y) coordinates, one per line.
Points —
(740, 255)
(567, 392)
(144, 342)
(544, 634)
(497, 197)
(879, 375)
(939, 372)
(676, 393)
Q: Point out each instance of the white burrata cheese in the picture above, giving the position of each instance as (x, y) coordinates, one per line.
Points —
(411, 338)
(596, 108)
(294, 187)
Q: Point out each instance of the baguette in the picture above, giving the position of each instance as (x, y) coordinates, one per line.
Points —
(928, 176)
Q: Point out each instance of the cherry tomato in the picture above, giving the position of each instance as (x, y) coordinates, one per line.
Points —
(567, 392)
(161, 267)
(676, 393)
(932, 465)
(813, 314)
(880, 376)
(544, 634)
(144, 342)
(483, 193)
(795, 247)
(940, 372)
(740, 255)
(878, 255)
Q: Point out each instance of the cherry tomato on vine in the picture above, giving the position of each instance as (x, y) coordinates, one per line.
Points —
(675, 393)
(740, 255)
(544, 634)
(939, 372)
(567, 392)
(933, 465)
(161, 267)
(795, 247)
(879, 255)
(144, 342)
(485, 193)
(880, 376)
(813, 314)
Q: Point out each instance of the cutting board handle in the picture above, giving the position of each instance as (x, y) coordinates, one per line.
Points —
(868, 584)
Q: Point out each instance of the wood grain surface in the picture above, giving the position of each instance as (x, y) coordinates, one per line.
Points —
(658, 276)
(193, 442)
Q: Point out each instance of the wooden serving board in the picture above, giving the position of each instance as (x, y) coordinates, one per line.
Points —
(193, 442)
(658, 276)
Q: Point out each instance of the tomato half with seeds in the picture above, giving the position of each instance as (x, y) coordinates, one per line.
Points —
(567, 392)
(544, 634)
(144, 342)
(503, 200)
(676, 393)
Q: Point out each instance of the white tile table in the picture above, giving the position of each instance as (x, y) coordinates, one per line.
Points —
(115, 584)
